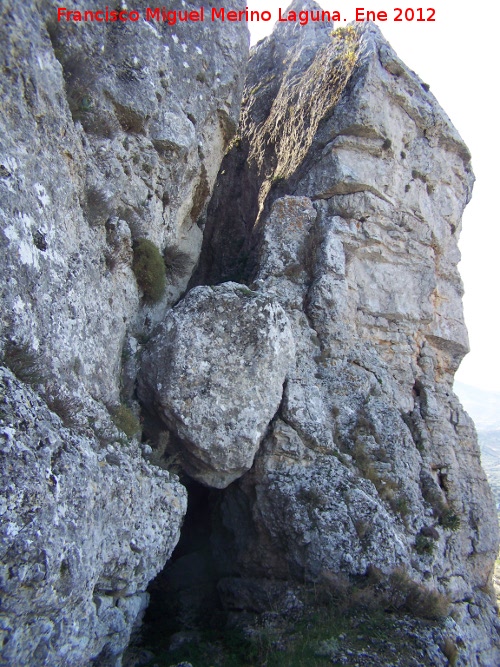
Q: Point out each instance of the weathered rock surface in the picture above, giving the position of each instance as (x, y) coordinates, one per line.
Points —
(215, 371)
(83, 532)
(108, 133)
(371, 460)
(315, 372)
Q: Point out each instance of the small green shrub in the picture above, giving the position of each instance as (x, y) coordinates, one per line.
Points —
(424, 545)
(449, 520)
(332, 587)
(177, 263)
(149, 270)
(418, 175)
(400, 505)
(98, 207)
(66, 407)
(404, 594)
(245, 291)
(328, 648)
(126, 421)
(23, 362)
(348, 33)
(348, 40)
(426, 603)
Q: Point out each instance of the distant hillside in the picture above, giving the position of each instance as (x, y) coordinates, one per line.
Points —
(489, 441)
(483, 406)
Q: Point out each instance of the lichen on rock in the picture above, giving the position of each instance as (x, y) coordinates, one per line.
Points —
(214, 372)
(83, 531)
(290, 343)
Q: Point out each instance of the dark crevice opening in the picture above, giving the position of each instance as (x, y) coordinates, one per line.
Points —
(443, 481)
(184, 596)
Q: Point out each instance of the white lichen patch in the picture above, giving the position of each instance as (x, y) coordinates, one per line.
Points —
(27, 254)
(41, 194)
(18, 305)
(11, 233)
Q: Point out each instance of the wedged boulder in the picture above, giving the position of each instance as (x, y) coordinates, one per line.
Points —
(214, 372)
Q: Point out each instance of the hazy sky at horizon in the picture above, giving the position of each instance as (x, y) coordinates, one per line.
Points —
(456, 55)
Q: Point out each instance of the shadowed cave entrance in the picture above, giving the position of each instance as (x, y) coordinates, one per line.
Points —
(208, 608)
(184, 595)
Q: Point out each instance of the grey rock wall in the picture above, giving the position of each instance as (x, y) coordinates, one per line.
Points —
(308, 371)
(83, 531)
(353, 212)
(109, 133)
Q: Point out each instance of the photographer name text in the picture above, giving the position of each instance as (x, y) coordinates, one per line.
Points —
(221, 14)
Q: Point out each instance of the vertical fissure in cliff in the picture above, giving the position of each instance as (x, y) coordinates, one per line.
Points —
(184, 596)
(229, 221)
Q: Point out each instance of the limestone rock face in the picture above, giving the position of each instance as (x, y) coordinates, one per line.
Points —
(349, 217)
(306, 368)
(109, 133)
(83, 531)
(215, 372)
